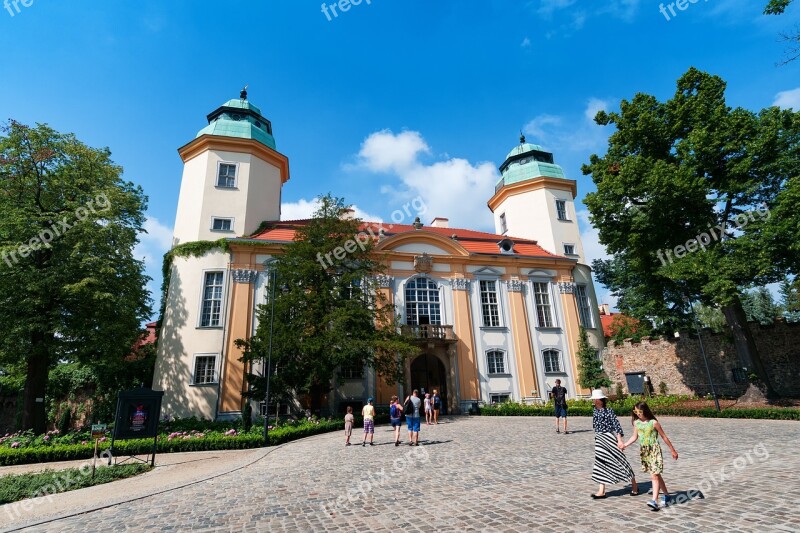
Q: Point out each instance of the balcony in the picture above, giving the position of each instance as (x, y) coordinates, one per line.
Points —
(430, 333)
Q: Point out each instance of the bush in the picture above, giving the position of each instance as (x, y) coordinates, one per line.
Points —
(661, 406)
(34, 449)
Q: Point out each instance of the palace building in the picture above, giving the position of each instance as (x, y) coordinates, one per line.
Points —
(496, 315)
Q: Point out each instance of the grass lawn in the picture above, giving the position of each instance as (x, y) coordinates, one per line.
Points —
(18, 487)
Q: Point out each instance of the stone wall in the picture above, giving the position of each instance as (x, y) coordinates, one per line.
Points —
(678, 362)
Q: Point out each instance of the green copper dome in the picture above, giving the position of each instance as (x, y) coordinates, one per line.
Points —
(240, 118)
(527, 161)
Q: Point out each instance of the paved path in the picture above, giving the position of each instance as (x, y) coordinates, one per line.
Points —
(480, 474)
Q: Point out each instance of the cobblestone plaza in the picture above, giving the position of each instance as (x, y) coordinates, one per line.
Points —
(477, 474)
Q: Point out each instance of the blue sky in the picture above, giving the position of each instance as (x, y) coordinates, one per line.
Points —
(386, 102)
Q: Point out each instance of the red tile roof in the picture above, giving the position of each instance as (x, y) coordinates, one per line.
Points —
(476, 242)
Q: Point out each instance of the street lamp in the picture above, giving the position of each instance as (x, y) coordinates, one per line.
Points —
(703, 351)
(273, 277)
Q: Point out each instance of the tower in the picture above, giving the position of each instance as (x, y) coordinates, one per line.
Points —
(231, 183)
(232, 175)
(535, 200)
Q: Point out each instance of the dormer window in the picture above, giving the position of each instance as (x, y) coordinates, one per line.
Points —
(506, 246)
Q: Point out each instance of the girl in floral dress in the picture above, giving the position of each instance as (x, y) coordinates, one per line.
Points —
(647, 429)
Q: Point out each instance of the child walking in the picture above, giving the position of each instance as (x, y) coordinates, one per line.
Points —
(647, 429)
(395, 415)
(348, 425)
(428, 409)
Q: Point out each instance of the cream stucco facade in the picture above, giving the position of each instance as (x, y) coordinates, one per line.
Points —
(507, 306)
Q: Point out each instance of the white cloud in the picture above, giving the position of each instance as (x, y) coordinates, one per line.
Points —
(564, 135)
(788, 99)
(384, 151)
(452, 188)
(526, 42)
(303, 209)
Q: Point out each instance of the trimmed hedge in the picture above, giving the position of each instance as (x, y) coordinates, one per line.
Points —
(622, 409)
(254, 439)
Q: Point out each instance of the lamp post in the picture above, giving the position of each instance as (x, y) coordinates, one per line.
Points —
(703, 351)
(273, 277)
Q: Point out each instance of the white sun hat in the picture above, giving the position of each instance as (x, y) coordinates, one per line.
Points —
(597, 394)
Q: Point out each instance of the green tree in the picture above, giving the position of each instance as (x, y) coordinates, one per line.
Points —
(71, 288)
(327, 314)
(590, 367)
(790, 299)
(711, 317)
(687, 171)
(760, 307)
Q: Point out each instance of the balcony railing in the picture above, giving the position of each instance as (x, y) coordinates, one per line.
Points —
(430, 333)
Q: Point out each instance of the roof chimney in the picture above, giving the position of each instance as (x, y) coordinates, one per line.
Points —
(440, 222)
(605, 309)
(348, 214)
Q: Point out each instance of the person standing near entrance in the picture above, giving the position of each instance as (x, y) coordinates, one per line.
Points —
(560, 402)
(437, 406)
(428, 410)
(412, 408)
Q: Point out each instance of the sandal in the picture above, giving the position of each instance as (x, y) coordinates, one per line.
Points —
(599, 496)
(634, 493)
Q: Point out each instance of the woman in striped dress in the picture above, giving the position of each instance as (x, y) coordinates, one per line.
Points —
(610, 464)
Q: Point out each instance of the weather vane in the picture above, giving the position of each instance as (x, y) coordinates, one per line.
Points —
(243, 94)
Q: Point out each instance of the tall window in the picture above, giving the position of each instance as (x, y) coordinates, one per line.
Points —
(584, 311)
(222, 224)
(423, 305)
(503, 224)
(227, 175)
(561, 209)
(212, 300)
(489, 305)
(544, 313)
(496, 362)
(552, 361)
(205, 369)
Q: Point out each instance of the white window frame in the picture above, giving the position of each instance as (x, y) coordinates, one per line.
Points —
(566, 210)
(496, 303)
(550, 304)
(584, 312)
(503, 224)
(439, 302)
(559, 360)
(494, 395)
(235, 175)
(503, 361)
(573, 252)
(215, 377)
(232, 220)
(203, 299)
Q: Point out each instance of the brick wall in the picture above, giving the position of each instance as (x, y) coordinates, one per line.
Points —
(678, 361)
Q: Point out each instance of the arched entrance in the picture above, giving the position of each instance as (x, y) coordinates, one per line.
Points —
(429, 373)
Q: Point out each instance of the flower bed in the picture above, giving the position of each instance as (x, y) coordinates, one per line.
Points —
(661, 405)
(188, 435)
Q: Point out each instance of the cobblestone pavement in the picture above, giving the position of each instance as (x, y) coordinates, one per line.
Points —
(483, 474)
